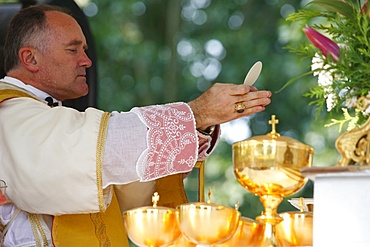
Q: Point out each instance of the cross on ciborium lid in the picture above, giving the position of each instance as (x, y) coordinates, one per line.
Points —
(273, 123)
(275, 137)
(155, 199)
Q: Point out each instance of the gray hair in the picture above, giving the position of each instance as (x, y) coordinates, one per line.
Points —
(27, 28)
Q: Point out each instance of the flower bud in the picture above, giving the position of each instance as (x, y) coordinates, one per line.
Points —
(326, 45)
(365, 9)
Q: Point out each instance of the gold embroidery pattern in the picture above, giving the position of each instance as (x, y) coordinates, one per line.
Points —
(36, 228)
(6, 94)
(100, 230)
(99, 156)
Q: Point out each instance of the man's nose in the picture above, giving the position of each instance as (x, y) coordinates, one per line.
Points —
(86, 61)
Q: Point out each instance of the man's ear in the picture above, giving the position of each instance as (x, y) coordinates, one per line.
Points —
(27, 57)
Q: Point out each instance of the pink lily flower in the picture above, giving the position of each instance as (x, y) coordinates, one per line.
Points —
(326, 45)
(365, 10)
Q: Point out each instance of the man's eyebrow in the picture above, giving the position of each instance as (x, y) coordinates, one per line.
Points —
(77, 42)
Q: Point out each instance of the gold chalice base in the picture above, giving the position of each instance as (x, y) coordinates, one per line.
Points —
(295, 229)
(207, 224)
(151, 226)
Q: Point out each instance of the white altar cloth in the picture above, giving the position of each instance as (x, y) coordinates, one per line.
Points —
(342, 210)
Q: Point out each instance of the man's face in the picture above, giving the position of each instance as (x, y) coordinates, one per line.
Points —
(62, 68)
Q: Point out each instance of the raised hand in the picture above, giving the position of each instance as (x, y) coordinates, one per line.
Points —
(224, 102)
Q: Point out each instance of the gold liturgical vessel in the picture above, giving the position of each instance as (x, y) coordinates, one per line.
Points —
(201, 224)
(151, 226)
(207, 224)
(295, 229)
(269, 167)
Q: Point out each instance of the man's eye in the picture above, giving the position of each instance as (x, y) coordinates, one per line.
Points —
(72, 50)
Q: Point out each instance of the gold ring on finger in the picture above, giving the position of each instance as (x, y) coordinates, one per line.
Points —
(239, 107)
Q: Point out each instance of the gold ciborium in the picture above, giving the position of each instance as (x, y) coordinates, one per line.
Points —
(269, 167)
(151, 226)
(206, 223)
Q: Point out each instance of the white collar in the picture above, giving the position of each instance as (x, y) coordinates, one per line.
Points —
(35, 91)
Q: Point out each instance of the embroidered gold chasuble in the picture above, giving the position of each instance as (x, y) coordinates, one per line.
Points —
(106, 227)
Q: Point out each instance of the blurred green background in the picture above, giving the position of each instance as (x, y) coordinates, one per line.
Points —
(160, 51)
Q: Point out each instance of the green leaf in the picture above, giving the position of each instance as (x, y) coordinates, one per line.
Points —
(351, 121)
(292, 80)
(341, 7)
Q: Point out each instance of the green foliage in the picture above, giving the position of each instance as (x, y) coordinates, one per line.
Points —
(341, 7)
(347, 25)
(317, 93)
(348, 119)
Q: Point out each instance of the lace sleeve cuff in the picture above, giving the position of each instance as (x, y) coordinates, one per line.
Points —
(172, 140)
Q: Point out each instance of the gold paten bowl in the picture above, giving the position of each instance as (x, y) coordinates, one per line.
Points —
(248, 234)
(151, 226)
(295, 229)
(207, 223)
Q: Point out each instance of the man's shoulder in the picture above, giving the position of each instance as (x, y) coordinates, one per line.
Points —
(4, 85)
(8, 91)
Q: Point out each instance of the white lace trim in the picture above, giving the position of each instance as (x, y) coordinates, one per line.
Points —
(172, 140)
